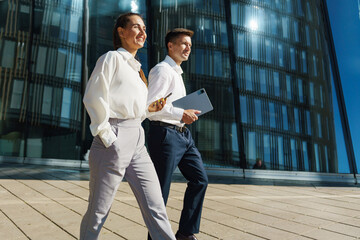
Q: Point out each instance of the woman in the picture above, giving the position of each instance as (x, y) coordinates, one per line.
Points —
(115, 99)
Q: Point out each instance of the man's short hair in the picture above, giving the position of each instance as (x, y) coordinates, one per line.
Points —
(175, 33)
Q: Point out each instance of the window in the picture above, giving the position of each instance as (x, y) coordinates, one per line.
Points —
(199, 56)
(272, 115)
(276, 84)
(267, 153)
(47, 99)
(285, 27)
(248, 77)
(61, 63)
(17, 93)
(321, 97)
(74, 34)
(305, 156)
(243, 109)
(308, 122)
(326, 158)
(309, 15)
(293, 155)
(240, 43)
(262, 80)
(304, 66)
(319, 125)
(288, 87)
(314, 65)
(223, 34)
(281, 153)
(288, 6)
(268, 50)
(258, 112)
(285, 118)
(292, 59)
(299, 8)
(234, 139)
(273, 23)
(312, 99)
(297, 122)
(307, 32)
(296, 30)
(235, 13)
(8, 54)
(41, 60)
(254, 49)
(218, 64)
(300, 88)
(317, 160)
(209, 31)
(252, 146)
(66, 103)
(281, 55)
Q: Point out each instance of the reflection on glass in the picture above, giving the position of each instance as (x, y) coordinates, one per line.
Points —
(305, 156)
(262, 80)
(243, 108)
(293, 155)
(317, 160)
(285, 118)
(252, 146)
(248, 77)
(258, 112)
(281, 153)
(272, 114)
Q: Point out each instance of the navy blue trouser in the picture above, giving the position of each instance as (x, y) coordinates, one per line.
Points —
(169, 149)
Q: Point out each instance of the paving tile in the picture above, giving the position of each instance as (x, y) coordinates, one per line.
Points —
(8, 230)
(343, 229)
(321, 234)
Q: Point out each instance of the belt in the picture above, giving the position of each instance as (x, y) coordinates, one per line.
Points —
(168, 125)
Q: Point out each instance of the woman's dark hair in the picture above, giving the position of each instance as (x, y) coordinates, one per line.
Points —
(121, 21)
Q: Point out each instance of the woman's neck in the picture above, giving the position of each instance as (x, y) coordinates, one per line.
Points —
(131, 51)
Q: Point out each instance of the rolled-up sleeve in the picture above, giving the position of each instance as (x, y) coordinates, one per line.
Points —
(96, 99)
(160, 86)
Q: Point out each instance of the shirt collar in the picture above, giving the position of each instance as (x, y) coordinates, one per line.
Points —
(173, 64)
(130, 59)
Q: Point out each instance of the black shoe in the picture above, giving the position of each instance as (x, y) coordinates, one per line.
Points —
(180, 236)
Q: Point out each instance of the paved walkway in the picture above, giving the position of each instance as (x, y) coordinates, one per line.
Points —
(47, 203)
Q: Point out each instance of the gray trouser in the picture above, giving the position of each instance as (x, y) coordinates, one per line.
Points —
(126, 157)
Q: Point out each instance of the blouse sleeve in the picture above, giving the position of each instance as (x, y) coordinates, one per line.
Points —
(96, 98)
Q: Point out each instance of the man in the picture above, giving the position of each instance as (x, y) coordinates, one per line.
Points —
(259, 164)
(170, 143)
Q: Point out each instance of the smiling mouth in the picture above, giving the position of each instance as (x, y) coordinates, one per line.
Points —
(141, 39)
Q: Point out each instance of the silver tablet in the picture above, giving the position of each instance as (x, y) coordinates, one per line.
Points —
(197, 100)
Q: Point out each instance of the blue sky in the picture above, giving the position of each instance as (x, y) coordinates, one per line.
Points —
(345, 24)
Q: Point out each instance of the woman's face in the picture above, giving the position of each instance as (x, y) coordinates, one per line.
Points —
(133, 35)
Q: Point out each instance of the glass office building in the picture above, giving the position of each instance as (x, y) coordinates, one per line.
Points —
(265, 65)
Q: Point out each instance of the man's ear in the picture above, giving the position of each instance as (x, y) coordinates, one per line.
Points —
(170, 45)
(120, 31)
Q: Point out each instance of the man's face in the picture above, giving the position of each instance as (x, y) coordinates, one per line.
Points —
(180, 48)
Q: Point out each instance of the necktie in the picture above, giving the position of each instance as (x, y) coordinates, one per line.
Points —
(143, 78)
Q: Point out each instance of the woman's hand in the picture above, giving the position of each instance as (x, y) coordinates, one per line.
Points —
(157, 105)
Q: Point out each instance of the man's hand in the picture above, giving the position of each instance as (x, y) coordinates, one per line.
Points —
(157, 105)
(189, 116)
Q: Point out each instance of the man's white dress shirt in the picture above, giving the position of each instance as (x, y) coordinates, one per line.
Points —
(114, 90)
(166, 78)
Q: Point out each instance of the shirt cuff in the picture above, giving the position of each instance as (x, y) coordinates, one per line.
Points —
(178, 113)
(107, 136)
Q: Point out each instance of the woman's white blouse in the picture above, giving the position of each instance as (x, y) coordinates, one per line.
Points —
(114, 90)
